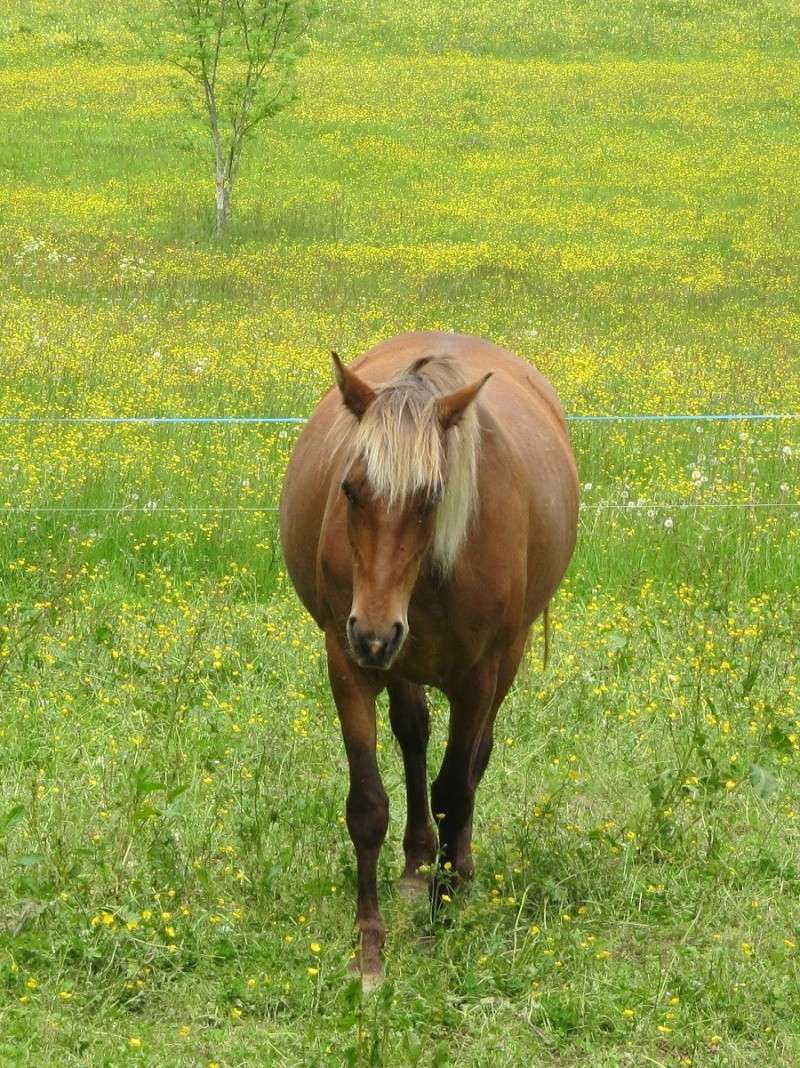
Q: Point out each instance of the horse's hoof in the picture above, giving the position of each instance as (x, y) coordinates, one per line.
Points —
(371, 980)
(372, 975)
(413, 884)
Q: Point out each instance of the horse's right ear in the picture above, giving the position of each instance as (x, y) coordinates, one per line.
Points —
(356, 394)
(452, 407)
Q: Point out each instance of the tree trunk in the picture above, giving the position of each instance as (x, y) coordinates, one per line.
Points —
(227, 169)
(223, 203)
(223, 175)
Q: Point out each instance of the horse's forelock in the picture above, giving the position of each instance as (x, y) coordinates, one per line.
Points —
(406, 452)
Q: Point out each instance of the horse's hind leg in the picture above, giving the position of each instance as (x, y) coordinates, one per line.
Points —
(408, 713)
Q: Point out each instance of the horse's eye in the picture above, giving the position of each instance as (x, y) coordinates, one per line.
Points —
(426, 507)
(349, 493)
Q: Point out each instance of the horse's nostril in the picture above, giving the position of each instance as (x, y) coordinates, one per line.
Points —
(351, 622)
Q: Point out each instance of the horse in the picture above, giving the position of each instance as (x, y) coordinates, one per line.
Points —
(428, 514)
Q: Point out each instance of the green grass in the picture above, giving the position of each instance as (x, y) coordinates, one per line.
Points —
(610, 191)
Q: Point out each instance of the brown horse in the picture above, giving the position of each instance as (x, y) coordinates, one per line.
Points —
(429, 512)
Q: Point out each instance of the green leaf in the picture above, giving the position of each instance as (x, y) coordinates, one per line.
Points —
(385, 996)
(146, 814)
(763, 782)
(30, 860)
(441, 1056)
(659, 788)
(376, 1055)
(352, 995)
(14, 816)
(176, 792)
(412, 1046)
(144, 785)
(780, 739)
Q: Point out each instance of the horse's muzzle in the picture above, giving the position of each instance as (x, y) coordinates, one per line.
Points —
(375, 649)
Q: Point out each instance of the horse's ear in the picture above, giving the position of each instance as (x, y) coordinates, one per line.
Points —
(451, 408)
(356, 394)
(417, 365)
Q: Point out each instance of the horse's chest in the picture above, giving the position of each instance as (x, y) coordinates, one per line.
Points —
(449, 631)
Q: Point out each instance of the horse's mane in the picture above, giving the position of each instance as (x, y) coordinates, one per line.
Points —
(406, 451)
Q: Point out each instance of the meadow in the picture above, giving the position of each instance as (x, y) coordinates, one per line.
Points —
(609, 191)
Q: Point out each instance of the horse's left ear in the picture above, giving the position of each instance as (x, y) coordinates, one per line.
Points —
(356, 394)
(451, 408)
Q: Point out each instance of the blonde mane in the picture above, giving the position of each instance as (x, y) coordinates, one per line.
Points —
(401, 441)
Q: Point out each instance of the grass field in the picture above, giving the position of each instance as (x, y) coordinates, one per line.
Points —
(609, 190)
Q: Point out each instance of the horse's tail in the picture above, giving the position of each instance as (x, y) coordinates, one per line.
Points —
(546, 622)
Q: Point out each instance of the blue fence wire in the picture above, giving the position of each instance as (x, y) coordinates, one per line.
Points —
(651, 507)
(726, 417)
(683, 417)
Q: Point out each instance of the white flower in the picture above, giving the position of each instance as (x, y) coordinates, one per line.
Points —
(587, 486)
(787, 451)
(669, 523)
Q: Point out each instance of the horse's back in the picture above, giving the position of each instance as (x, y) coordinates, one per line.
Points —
(475, 354)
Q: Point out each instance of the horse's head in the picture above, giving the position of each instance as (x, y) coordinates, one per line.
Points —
(399, 496)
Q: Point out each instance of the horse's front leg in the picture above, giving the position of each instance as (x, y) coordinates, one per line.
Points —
(473, 708)
(367, 804)
(408, 713)
(453, 790)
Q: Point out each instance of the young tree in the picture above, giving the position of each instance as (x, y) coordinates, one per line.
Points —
(240, 57)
